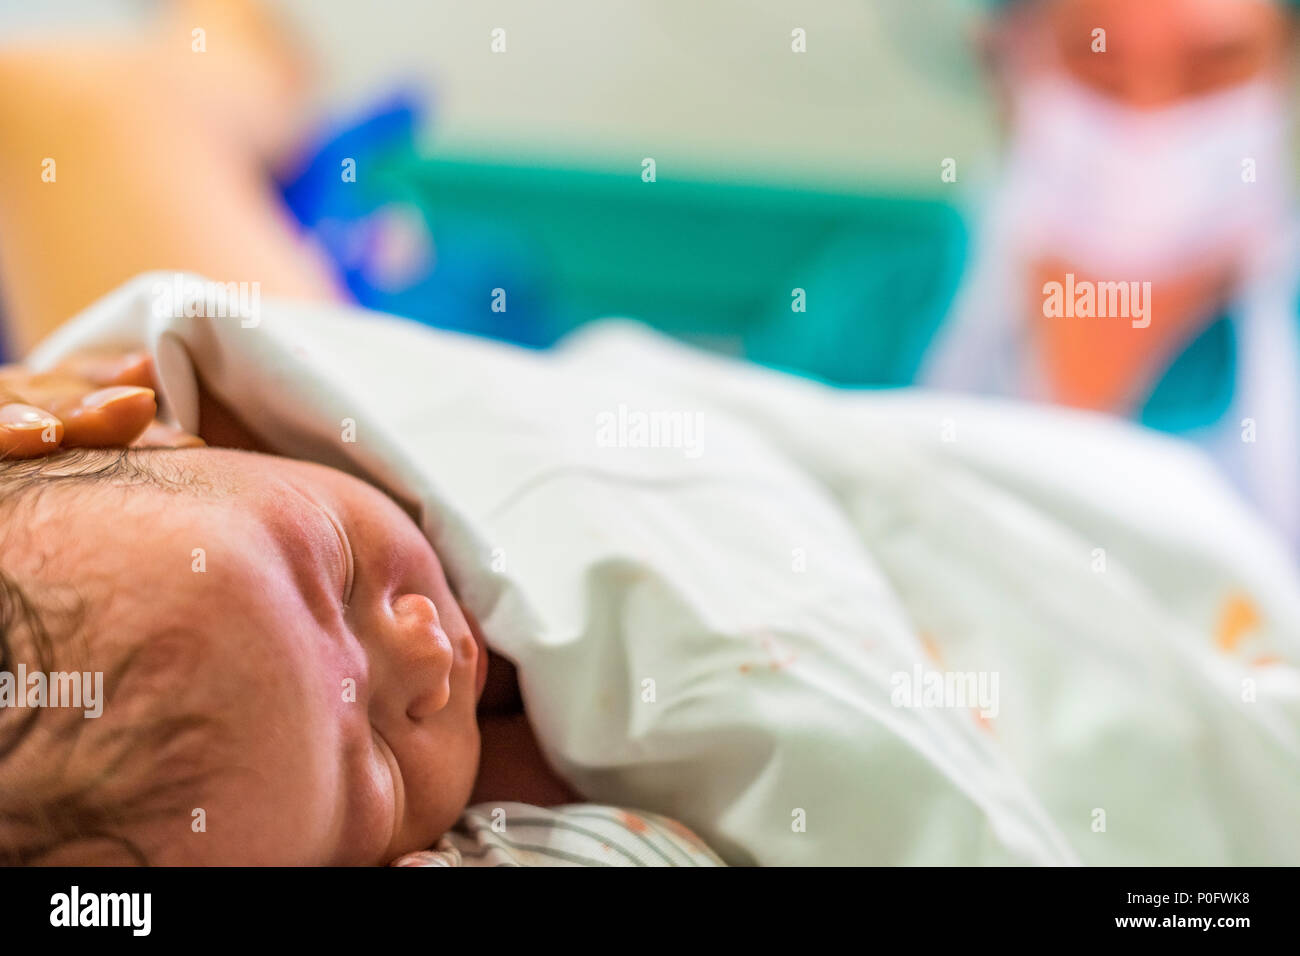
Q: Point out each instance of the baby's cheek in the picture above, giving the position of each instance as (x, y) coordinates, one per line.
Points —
(439, 772)
(367, 810)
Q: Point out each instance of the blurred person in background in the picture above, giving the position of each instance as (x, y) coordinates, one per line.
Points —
(126, 152)
(1148, 144)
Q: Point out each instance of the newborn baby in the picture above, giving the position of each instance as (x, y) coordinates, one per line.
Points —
(806, 603)
(290, 679)
(316, 703)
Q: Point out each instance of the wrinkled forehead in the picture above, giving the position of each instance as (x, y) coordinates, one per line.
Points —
(186, 537)
(134, 534)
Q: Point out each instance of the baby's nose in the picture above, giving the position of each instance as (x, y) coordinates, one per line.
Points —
(422, 655)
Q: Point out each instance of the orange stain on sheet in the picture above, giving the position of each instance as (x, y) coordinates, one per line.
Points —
(1238, 618)
(634, 823)
(778, 657)
(929, 646)
(682, 830)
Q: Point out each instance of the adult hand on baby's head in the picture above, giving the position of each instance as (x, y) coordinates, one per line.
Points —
(93, 399)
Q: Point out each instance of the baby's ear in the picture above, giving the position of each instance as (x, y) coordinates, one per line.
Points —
(91, 851)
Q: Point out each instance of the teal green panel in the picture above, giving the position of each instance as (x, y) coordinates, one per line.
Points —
(716, 262)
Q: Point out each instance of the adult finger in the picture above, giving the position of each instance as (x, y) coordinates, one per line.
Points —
(28, 432)
(110, 367)
(110, 417)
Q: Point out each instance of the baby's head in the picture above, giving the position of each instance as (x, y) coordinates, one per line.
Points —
(287, 677)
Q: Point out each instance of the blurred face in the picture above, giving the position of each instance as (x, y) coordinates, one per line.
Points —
(1158, 52)
(1161, 51)
(1148, 143)
(1155, 152)
(317, 633)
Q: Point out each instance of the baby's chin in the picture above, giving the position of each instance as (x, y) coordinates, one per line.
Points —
(421, 835)
(435, 809)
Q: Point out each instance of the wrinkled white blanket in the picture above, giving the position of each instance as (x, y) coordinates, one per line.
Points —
(816, 626)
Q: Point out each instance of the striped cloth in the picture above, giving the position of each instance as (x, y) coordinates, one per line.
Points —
(578, 834)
